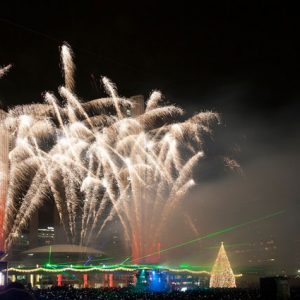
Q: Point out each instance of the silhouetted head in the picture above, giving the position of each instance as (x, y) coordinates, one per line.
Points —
(16, 285)
(15, 293)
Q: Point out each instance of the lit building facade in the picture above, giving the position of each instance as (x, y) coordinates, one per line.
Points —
(93, 277)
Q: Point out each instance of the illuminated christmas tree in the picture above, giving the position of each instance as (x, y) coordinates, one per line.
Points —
(222, 275)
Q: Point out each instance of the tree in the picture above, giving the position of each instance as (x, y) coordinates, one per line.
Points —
(222, 275)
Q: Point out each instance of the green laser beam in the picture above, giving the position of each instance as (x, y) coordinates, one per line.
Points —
(75, 262)
(125, 260)
(213, 234)
(191, 267)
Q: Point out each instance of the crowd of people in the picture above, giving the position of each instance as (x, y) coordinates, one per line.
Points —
(130, 294)
(17, 291)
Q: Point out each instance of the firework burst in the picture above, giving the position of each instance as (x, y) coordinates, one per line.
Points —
(98, 163)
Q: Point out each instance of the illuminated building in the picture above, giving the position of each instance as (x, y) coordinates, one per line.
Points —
(46, 236)
(147, 278)
(263, 254)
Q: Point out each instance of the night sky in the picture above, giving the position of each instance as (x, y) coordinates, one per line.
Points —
(239, 58)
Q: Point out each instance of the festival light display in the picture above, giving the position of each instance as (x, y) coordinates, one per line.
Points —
(222, 275)
(110, 268)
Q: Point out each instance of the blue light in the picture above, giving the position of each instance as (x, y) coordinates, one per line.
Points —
(159, 282)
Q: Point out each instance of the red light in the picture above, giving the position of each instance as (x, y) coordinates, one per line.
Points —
(59, 280)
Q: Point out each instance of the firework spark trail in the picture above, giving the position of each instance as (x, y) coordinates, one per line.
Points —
(98, 164)
(153, 101)
(68, 66)
(4, 70)
(112, 91)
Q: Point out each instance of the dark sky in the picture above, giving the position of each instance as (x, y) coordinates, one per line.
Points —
(240, 58)
(188, 52)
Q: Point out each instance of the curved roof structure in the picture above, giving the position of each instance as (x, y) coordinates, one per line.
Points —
(65, 248)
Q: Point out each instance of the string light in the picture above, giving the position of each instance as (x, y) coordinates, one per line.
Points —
(129, 268)
(68, 269)
(188, 271)
(222, 275)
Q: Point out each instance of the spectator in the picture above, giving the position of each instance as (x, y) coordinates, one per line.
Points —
(15, 291)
